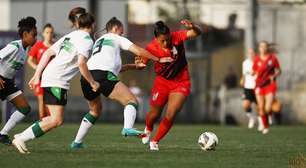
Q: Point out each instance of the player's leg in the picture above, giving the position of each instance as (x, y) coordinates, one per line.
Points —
(23, 109)
(175, 103)
(41, 107)
(247, 106)
(262, 119)
(95, 109)
(269, 98)
(123, 95)
(39, 128)
(152, 116)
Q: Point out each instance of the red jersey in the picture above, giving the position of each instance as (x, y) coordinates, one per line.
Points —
(264, 69)
(178, 69)
(38, 50)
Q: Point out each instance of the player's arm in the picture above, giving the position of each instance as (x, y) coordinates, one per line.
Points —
(31, 62)
(41, 66)
(193, 29)
(82, 61)
(138, 51)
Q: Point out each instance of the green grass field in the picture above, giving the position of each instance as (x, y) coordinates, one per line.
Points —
(284, 146)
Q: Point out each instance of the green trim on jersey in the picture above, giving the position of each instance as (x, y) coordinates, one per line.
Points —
(56, 91)
(14, 43)
(108, 42)
(88, 37)
(112, 77)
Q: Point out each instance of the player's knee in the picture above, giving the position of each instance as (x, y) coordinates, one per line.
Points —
(25, 110)
(56, 123)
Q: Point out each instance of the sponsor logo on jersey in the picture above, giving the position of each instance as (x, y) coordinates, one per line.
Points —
(270, 62)
(155, 96)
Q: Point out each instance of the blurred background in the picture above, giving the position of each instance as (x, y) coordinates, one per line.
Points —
(215, 59)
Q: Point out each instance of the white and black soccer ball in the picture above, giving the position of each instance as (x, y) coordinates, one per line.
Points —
(208, 141)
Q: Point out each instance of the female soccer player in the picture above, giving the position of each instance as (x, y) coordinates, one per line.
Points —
(266, 69)
(12, 58)
(248, 83)
(105, 65)
(71, 54)
(35, 55)
(172, 82)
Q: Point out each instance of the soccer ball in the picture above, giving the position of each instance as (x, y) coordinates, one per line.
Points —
(208, 141)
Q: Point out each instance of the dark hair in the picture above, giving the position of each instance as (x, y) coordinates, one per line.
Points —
(112, 23)
(75, 13)
(271, 46)
(26, 25)
(161, 29)
(48, 25)
(86, 20)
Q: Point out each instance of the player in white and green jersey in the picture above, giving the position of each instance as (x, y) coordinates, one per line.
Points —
(71, 54)
(105, 65)
(12, 59)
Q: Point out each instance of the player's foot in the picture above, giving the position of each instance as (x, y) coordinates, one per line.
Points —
(146, 138)
(270, 118)
(154, 146)
(75, 145)
(265, 131)
(251, 123)
(20, 145)
(131, 132)
(5, 139)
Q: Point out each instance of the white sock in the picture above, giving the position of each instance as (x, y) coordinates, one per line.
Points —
(27, 134)
(15, 118)
(82, 132)
(129, 116)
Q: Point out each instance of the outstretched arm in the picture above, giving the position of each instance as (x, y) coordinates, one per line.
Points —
(138, 51)
(40, 67)
(193, 30)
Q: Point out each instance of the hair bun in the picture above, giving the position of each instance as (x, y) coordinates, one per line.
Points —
(160, 24)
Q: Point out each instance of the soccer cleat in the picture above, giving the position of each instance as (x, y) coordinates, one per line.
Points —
(75, 145)
(251, 123)
(131, 132)
(5, 139)
(145, 139)
(154, 146)
(265, 131)
(21, 147)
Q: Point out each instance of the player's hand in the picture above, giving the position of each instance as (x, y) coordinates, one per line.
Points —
(165, 60)
(139, 62)
(1, 83)
(95, 86)
(33, 82)
(188, 24)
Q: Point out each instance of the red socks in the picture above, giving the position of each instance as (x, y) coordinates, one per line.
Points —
(264, 120)
(163, 129)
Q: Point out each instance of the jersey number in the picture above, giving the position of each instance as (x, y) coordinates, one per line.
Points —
(98, 47)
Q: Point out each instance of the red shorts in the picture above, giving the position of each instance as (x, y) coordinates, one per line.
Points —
(38, 91)
(271, 88)
(163, 87)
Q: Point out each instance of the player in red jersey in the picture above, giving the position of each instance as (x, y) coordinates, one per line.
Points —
(172, 82)
(266, 69)
(35, 55)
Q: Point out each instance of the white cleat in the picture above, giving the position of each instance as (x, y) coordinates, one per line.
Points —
(20, 145)
(146, 139)
(251, 123)
(154, 146)
(265, 131)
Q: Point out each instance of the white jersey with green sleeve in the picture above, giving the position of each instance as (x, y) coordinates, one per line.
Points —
(12, 58)
(106, 53)
(64, 66)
